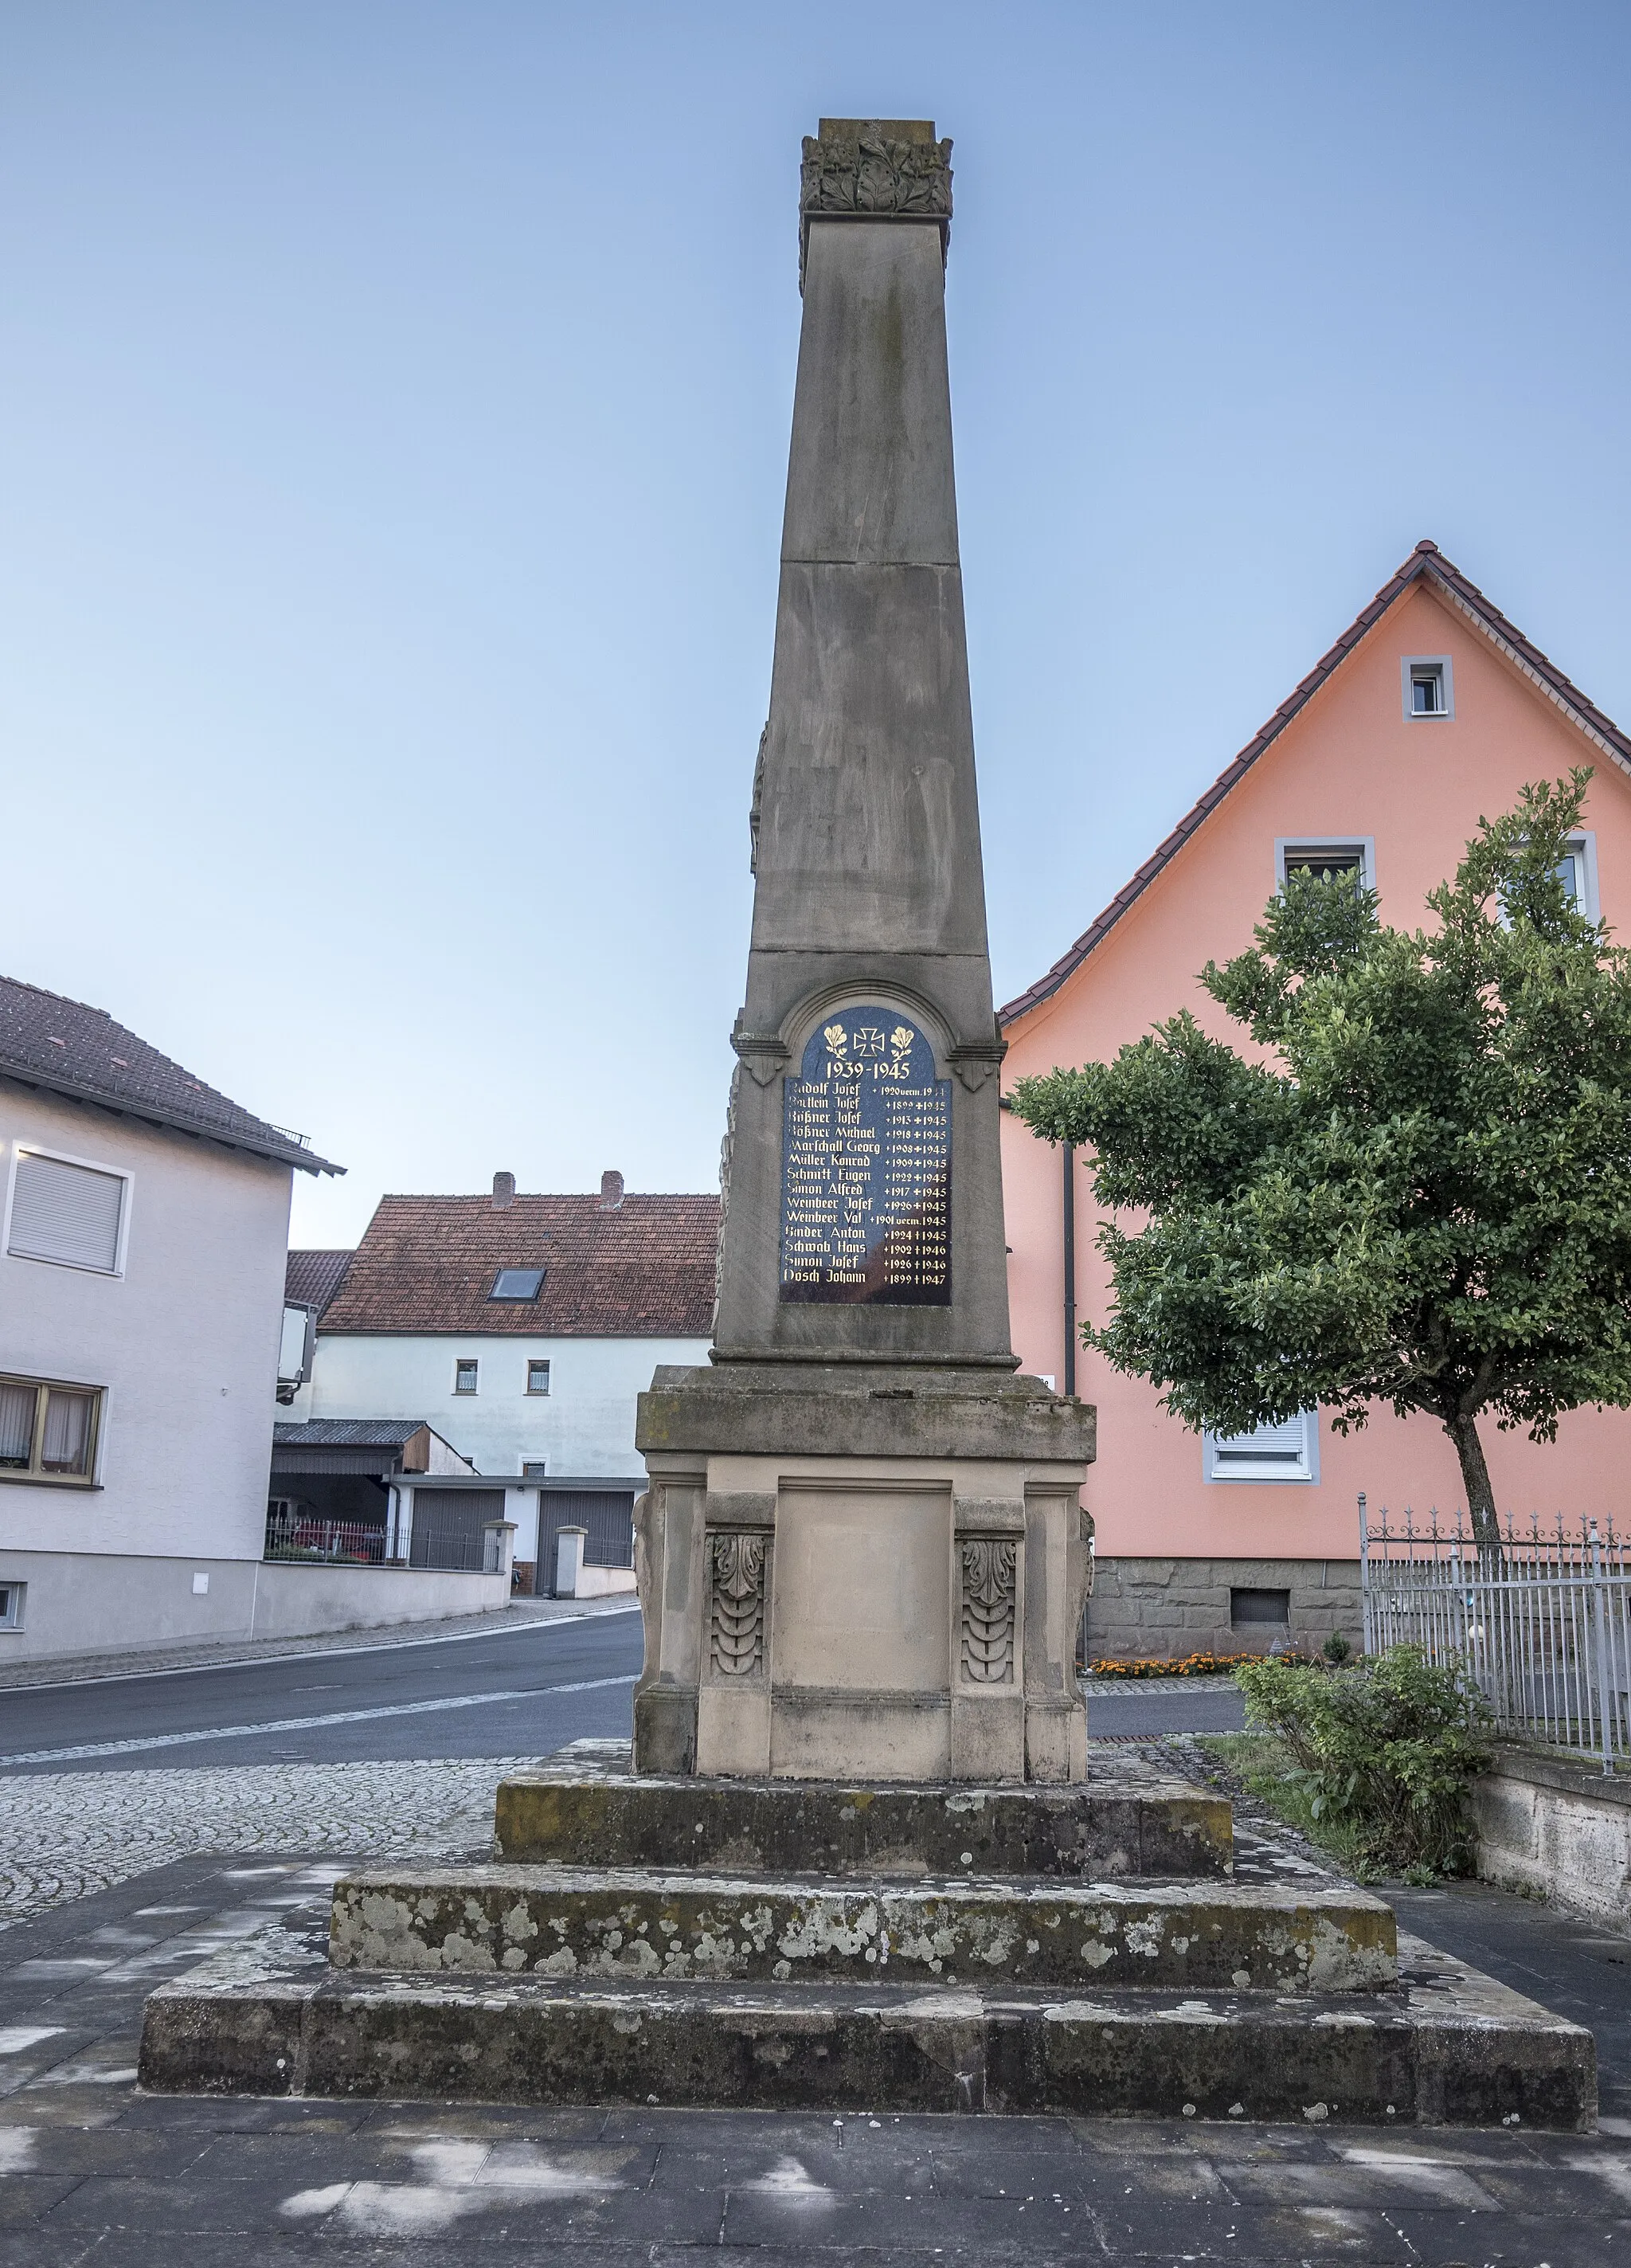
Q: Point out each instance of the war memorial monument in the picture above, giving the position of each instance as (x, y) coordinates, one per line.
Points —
(862, 1551)
(862, 1855)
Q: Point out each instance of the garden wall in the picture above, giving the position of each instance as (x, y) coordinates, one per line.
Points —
(1154, 1606)
(1563, 1829)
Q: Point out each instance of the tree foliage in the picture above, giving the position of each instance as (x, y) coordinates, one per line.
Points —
(1421, 1197)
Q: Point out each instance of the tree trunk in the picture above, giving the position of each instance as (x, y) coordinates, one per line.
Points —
(1480, 1497)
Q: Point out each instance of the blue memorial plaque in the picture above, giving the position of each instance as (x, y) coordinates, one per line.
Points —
(866, 1167)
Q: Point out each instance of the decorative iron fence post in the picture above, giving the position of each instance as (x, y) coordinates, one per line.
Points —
(1365, 1576)
(1605, 1697)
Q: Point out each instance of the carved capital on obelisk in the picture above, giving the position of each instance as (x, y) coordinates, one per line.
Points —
(875, 169)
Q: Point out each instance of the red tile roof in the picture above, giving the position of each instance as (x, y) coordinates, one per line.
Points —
(640, 1269)
(1426, 564)
(312, 1277)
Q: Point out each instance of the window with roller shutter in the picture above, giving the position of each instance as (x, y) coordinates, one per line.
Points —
(1289, 1451)
(66, 1212)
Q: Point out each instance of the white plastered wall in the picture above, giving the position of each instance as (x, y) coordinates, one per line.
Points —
(185, 1344)
(584, 1424)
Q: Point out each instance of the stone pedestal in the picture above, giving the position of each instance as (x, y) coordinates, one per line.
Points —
(853, 1575)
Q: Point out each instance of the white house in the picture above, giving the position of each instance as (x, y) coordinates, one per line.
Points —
(142, 1260)
(521, 1328)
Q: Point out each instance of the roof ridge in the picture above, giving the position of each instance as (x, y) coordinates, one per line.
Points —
(67, 1000)
(1425, 559)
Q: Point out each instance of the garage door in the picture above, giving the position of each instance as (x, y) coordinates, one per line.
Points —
(447, 1527)
(609, 1516)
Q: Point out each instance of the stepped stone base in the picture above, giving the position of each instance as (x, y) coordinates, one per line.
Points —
(1446, 2046)
(641, 1926)
(591, 1810)
(873, 1975)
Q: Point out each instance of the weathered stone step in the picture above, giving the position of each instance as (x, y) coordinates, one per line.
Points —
(1450, 2046)
(589, 1810)
(637, 1924)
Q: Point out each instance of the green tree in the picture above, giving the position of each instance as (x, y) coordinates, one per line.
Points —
(1423, 1199)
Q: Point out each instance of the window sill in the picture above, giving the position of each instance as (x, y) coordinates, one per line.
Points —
(1262, 1480)
(50, 1481)
(53, 1260)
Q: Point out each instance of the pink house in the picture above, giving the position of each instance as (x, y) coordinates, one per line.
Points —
(1428, 711)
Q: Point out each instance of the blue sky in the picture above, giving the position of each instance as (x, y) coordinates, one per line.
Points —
(394, 412)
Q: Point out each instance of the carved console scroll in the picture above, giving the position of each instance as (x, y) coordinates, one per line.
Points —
(737, 1568)
(989, 1590)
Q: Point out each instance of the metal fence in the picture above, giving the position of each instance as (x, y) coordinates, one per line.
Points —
(291, 1534)
(449, 1530)
(1542, 1624)
(448, 1533)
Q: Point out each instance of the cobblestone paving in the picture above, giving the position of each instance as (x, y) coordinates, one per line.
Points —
(63, 1834)
(1130, 1689)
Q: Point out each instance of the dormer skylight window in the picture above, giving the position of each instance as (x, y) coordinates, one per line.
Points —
(517, 1283)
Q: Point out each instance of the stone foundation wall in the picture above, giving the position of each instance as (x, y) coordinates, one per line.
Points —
(1150, 1607)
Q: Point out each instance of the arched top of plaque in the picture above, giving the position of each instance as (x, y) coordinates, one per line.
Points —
(866, 1166)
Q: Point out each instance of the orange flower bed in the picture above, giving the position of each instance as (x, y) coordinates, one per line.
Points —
(1191, 1664)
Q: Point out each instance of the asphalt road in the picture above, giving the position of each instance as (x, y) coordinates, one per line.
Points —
(1128, 1713)
(522, 1692)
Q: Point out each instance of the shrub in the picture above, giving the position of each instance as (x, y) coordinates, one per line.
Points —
(1383, 1750)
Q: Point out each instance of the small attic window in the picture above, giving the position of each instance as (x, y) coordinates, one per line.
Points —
(517, 1283)
(1327, 859)
(1429, 687)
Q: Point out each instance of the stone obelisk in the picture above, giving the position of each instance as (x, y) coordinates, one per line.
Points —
(861, 1552)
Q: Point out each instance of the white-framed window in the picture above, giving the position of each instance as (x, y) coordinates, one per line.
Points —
(13, 1598)
(536, 1375)
(465, 1368)
(1577, 873)
(72, 1212)
(1429, 686)
(1287, 1452)
(49, 1431)
(1325, 855)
